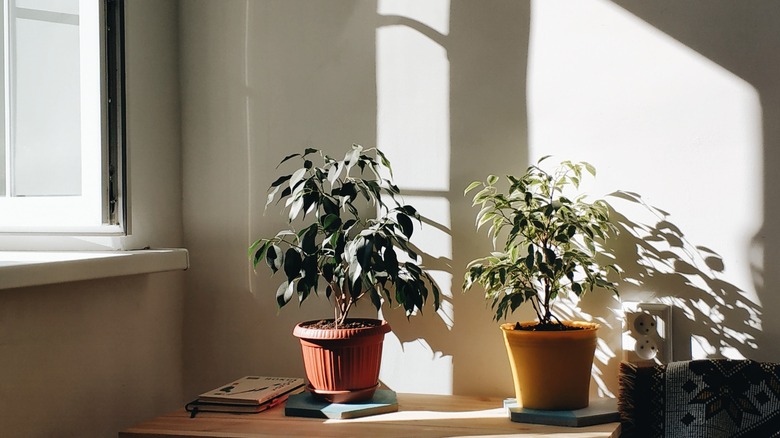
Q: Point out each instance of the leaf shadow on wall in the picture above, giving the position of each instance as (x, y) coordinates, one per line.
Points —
(486, 133)
(711, 317)
(428, 330)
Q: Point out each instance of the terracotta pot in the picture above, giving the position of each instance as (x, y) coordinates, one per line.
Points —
(551, 369)
(342, 365)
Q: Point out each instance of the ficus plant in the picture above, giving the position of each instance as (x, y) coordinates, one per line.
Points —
(357, 255)
(545, 241)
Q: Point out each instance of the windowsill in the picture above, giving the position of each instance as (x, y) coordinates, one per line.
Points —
(35, 268)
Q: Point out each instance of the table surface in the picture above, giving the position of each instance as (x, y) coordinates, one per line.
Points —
(419, 416)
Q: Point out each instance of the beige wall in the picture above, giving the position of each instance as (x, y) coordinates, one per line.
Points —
(89, 358)
(261, 79)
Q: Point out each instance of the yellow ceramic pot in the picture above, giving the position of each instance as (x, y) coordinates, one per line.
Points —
(551, 369)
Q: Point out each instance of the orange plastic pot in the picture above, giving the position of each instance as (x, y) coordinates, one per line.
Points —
(342, 365)
(551, 369)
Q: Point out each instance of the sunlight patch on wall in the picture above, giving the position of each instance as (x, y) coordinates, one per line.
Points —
(654, 116)
(413, 91)
(657, 118)
(413, 129)
(433, 239)
(413, 367)
(432, 13)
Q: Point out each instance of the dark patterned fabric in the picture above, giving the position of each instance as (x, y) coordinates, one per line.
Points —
(700, 399)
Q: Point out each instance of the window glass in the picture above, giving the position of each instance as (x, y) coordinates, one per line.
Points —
(46, 105)
(61, 116)
(61, 6)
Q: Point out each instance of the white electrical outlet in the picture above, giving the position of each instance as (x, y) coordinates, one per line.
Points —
(644, 324)
(646, 348)
(647, 333)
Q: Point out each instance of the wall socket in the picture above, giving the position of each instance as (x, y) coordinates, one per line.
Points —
(647, 333)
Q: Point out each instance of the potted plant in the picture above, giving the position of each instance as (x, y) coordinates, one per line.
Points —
(547, 243)
(354, 234)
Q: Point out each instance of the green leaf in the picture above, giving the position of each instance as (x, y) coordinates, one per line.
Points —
(391, 262)
(363, 254)
(329, 207)
(303, 291)
(351, 157)
(331, 223)
(349, 224)
(296, 177)
(308, 244)
(287, 158)
(310, 197)
(327, 271)
(333, 172)
(385, 161)
(295, 209)
(471, 187)
(485, 218)
(355, 281)
(413, 268)
(492, 180)
(335, 239)
(285, 193)
(348, 191)
(271, 194)
(292, 264)
(258, 248)
(310, 276)
(280, 180)
(529, 261)
(407, 228)
(436, 292)
(284, 293)
(410, 211)
(589, 167)
(274, 257)
(376, 299)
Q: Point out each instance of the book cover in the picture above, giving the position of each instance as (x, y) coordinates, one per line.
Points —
(598, 412)
(252, 390)
(196, 406)
(304, 405)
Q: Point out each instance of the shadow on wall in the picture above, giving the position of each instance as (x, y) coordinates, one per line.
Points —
(255, 86)
(741, 37)
(487, 52)
(711, 317)
(259, 79)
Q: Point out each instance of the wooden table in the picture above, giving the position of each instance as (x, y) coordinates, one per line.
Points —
(418, 416)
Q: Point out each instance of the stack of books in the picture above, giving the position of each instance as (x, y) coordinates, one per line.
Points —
(247, 395)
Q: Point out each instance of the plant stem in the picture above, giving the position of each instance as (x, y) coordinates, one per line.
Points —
(534, 300)
(546, 301)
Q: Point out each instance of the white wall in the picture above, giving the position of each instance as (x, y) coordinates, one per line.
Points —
(677, 106)
(663, 102)
(90, 358)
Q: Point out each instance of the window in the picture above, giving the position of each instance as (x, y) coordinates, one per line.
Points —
(61, 117)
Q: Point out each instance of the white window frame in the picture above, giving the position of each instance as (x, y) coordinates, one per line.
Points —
(101, 209)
